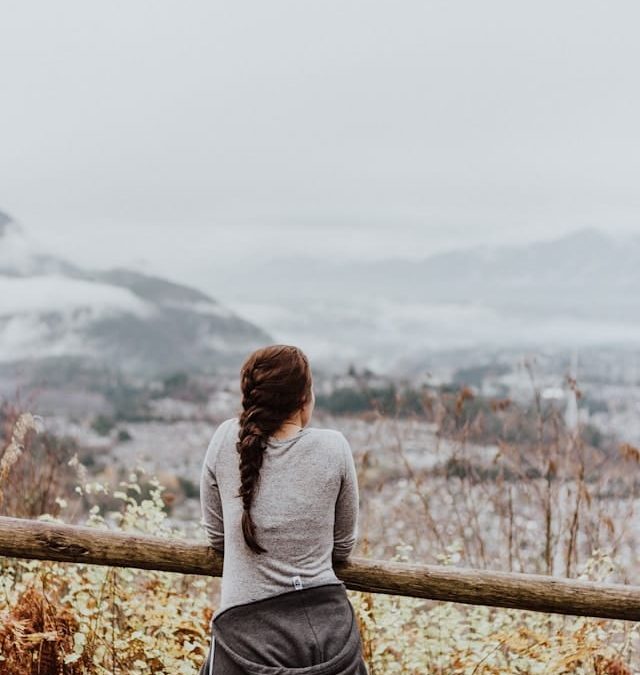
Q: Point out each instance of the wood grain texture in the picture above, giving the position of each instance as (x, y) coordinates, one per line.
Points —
(42, 540)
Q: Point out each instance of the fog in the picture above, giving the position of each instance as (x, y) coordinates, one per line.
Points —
(176, 137)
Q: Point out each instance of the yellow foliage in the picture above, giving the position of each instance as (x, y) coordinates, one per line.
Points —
(118, 620)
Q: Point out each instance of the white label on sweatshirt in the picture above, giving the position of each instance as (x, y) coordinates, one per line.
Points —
(297, 583)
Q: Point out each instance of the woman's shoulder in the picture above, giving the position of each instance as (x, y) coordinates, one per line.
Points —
(330, 448)
(220, 437)
(225, 427)
(329, 438)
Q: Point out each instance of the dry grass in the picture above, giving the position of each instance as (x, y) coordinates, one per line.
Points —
(536, 505)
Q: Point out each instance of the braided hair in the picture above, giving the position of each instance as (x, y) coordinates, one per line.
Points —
(275, 382)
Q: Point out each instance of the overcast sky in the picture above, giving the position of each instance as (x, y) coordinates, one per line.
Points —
(183, 134)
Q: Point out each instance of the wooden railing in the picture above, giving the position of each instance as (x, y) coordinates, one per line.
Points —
(43, 540)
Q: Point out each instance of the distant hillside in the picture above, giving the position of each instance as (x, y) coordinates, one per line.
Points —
(53, 310)
(579, 290)
(585, 274)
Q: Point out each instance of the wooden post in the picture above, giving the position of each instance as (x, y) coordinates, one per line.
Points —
(43, 540)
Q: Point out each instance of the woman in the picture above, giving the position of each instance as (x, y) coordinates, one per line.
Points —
(280, 501)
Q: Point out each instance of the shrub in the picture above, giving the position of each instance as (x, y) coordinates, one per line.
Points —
(75, 618)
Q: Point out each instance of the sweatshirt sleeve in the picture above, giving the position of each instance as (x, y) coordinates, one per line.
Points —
(210, 500)
(345, 529)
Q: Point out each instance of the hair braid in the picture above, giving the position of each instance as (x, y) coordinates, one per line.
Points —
(275, 381)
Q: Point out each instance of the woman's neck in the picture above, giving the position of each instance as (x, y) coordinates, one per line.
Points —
(291, 427)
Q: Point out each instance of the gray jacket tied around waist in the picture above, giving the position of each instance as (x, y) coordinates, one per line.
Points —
(312, 631)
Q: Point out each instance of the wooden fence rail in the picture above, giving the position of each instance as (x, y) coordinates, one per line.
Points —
(41, 540)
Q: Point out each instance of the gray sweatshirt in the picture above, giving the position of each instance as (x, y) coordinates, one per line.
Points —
(305, 508)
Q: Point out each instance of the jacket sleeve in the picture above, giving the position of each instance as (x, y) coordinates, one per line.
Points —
(210, 500)
(345, 530)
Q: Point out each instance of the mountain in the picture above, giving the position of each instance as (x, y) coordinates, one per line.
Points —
(578, 290)
(585, 274)
(21, 256)
(52, 310)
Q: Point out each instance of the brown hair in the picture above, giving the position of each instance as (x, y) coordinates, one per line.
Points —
(275, 382)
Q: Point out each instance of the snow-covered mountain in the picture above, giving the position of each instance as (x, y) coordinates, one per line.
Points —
(119, 318)
(584, 274)
(579, 290)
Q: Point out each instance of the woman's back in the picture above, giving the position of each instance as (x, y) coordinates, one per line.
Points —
(305, 511)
